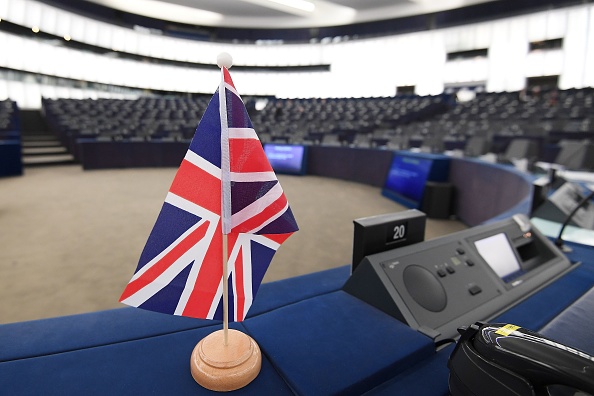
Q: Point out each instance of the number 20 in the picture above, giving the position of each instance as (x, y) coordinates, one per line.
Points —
(399, 231)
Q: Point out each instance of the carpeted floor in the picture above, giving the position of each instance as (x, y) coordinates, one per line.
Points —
(70, 239)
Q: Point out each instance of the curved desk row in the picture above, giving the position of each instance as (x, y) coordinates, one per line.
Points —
(483, 190)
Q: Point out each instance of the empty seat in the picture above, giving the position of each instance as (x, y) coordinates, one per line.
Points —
(576, 155)
(477, 146)
(521, 149)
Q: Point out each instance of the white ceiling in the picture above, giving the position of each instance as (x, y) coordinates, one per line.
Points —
(277, 14)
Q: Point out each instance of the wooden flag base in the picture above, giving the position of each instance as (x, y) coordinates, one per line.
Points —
(224, 368)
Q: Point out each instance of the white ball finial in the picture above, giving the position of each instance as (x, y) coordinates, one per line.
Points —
(224, 60)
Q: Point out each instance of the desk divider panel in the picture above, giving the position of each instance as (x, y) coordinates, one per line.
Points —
(11, 163)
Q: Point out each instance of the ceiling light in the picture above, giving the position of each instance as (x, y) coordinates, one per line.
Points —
(302, 5)
(164, 10)
(35, 29)
(67, 37)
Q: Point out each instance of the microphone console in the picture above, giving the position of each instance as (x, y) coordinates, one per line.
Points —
(439, 285)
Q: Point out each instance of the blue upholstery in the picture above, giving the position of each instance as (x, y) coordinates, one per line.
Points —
(158, 365)
(429, 377)
(337, 344)
(55, 335)
(277, 294)
(69, 333)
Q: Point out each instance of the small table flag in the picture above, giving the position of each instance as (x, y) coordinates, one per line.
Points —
(224, 185)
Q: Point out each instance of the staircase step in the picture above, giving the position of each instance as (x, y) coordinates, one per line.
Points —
(29, 150)
(46, 160)
(40, 138)
(41, 144)
(40, 147)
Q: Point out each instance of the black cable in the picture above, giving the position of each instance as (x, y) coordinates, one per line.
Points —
(444, 342)
(559, 240)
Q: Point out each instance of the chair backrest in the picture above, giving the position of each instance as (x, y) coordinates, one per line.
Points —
(576, 155)
(521, 148)
(476, 146)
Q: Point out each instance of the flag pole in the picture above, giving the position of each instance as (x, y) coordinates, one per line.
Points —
(225, 293)
(225, 62)
(226, 359)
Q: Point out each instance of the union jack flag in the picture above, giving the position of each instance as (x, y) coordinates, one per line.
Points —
(225, 185)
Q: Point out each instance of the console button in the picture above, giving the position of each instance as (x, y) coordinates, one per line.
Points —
(474, 289)
(441, 272)
(460, 250)
(469, 262)
(451, 270)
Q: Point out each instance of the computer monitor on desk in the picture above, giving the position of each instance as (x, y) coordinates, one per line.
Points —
(409, 174)
(287, 158)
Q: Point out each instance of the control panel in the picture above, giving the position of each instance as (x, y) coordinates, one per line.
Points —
(438, 285)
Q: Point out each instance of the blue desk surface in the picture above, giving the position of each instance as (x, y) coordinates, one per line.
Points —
(315, 340)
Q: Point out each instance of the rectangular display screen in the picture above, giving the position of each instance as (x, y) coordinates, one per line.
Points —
(286, 158)
(408, 175)
(498, 253)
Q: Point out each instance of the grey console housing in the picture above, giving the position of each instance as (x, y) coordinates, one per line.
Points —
(439, 285)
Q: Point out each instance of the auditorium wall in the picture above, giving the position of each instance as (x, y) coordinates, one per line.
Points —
(379, 66)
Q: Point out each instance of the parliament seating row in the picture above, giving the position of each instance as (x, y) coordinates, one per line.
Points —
(433, 124)
(9, 119)
(303, 120)
(550, 117)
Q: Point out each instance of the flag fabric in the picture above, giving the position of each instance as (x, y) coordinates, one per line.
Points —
(225, 185)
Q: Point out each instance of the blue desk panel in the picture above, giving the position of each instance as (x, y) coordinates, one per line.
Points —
(315, 340)
(11, 163)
